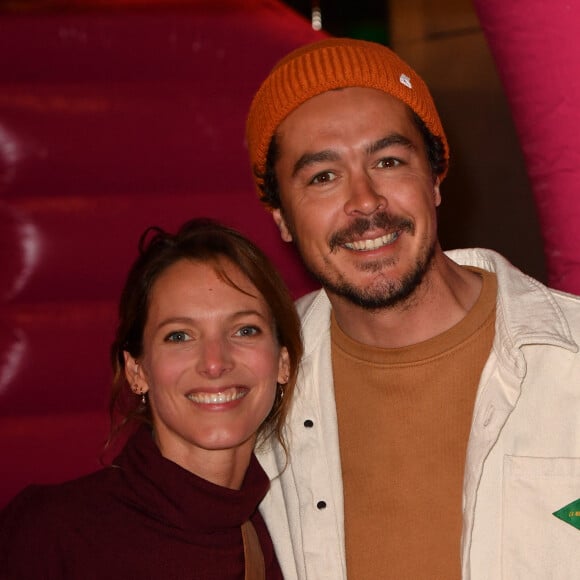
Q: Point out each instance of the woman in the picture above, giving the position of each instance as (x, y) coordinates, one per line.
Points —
(205, 358)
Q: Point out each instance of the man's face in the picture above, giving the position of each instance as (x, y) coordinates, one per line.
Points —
(358, 196)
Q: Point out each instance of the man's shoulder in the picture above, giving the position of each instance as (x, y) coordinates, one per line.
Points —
(492, 261)
(520, 294)
(314, 310)
(483, 258)
(569, 303)
(311, 304)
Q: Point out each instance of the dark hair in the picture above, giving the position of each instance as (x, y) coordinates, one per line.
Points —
(206, 241)
(270, 188)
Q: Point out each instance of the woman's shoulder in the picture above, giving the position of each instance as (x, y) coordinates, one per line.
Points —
(47, 502)
(30, 499)
(39, 498)
(36, 523)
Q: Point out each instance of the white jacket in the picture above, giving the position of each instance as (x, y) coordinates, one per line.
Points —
(523, 456)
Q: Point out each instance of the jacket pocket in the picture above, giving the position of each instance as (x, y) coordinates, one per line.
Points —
(535, 543)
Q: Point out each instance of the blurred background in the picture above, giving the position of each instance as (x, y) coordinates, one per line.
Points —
(120, 114)
(487, 196)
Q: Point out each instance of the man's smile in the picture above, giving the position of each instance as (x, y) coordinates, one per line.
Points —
(373, 244)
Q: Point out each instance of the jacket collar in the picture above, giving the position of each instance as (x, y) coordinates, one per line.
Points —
(527, 310)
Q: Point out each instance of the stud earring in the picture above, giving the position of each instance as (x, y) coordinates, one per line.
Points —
(138, 392)
(136, 388)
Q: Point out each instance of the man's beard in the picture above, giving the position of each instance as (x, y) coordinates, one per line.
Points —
(381, 295)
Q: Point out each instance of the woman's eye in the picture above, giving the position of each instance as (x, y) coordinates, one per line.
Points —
(248, 331)
(177, 336)
(324, 177)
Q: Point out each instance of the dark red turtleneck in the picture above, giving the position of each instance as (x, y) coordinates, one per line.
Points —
(145, 517)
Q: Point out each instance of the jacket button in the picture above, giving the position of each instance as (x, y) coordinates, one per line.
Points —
(308, 423)
(321, 505)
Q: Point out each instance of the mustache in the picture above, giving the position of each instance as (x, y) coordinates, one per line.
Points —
(381, 220)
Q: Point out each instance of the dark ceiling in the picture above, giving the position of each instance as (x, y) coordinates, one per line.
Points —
(365, 19)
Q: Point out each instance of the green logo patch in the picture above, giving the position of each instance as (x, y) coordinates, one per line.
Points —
(570, 514)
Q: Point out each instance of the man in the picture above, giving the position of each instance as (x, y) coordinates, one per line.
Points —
(435, 429)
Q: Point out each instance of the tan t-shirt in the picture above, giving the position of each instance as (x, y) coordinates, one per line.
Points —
(404, 416)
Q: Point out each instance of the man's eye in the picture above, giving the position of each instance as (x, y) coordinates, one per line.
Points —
(177, 336)
(388, 162)
(324, 177)
(248, 331)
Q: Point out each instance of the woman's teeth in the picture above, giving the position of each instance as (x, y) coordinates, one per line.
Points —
(217, 398)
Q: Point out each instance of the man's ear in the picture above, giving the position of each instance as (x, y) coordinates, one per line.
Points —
(135, 375)
(281, 223)
(437, 192)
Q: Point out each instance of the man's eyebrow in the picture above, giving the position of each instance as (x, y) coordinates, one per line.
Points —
(392, 139)
(311, 158)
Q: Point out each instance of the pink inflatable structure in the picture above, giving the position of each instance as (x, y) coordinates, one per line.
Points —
(537, 52)
(113, 116)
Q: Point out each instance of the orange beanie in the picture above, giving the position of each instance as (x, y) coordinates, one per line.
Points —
(331, 64)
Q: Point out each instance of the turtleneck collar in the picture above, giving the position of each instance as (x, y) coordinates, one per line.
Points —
(170, 493)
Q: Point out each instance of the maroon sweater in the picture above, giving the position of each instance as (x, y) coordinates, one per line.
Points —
(143, 518)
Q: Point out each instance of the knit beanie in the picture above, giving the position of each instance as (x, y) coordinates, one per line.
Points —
(331, 64)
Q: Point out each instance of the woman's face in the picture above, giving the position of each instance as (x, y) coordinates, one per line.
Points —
(210, 361)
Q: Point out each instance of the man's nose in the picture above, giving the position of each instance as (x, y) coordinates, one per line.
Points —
(364, 199)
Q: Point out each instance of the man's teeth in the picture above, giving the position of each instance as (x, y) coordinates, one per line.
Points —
(217, 398)
(373, 244)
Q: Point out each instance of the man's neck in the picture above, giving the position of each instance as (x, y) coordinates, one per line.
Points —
(443, 299)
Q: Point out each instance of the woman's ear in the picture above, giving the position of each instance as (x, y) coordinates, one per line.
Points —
(283, 366)
(135, 375)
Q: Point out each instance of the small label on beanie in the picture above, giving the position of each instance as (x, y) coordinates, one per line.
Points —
(405, 80)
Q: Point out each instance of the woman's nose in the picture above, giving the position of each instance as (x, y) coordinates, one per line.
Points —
(215, 358)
